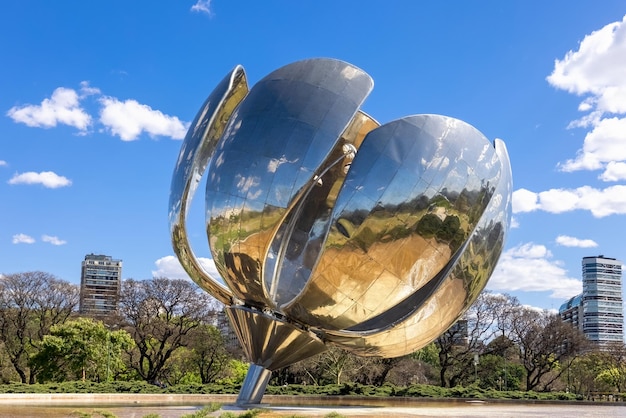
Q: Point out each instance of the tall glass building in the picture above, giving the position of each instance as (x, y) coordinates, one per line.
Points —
(572, 311)
(603, 316)
(598, 310)
(100, 282)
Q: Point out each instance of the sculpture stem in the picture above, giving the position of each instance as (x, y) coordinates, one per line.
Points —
(253, 386)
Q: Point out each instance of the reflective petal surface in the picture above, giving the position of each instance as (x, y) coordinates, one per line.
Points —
(385, 241)
(277, 141)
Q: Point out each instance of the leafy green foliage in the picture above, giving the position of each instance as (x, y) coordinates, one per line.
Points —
(496, 373)
(428, 354)
(204, 412)
(42, 340)
(425, 391)
(613, 376)
(251, 413)
(236, 373)
(95, 414)
(334, 415)
(208, 354)
(81, 349)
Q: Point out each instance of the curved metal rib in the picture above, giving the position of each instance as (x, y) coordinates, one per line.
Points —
(195, 154)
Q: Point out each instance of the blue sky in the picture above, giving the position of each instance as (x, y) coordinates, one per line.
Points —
(96, 96)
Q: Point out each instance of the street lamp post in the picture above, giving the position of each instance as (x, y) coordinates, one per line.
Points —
(476, 361)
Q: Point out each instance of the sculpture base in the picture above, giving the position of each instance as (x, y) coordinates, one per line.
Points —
(253, 387)
(270, 343)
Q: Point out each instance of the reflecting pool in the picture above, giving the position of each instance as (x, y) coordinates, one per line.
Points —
(468, 409)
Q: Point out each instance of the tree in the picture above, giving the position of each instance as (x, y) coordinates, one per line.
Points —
(328, 367)
(601, 369)
(469, 337)
(615, 373)
(30, 304)
(237, 371)
(159, 314)
(410, 371)
(455, 355)
(7, 371)
(545, 344)
(614, 376)
(421, 366)
(497, 373)
(208, 352)
(303, 372)
(82, 349)
(428, 354)
(373, 370)
(332, 364)
(179, 369)
(581, 376)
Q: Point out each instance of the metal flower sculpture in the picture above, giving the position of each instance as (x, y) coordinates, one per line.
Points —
(329, 228)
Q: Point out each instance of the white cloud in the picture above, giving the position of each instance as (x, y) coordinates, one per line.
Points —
(597, 68)
(605, 143)
(596, 71)
(600, 202)
(48, 179)
(87, 90)
(3, 163)
(23, 239)
(530, 268)
(559, 200)
(524, 201)
(540, 310)
(170, 267)
(202, 6)
(62, 107)
(568, 241)
(53, 240)
(128, 119)
(615, 171)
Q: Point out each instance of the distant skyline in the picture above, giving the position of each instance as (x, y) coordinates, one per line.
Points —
(96, 98)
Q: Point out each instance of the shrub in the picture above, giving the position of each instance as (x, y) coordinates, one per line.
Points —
(346, 389)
